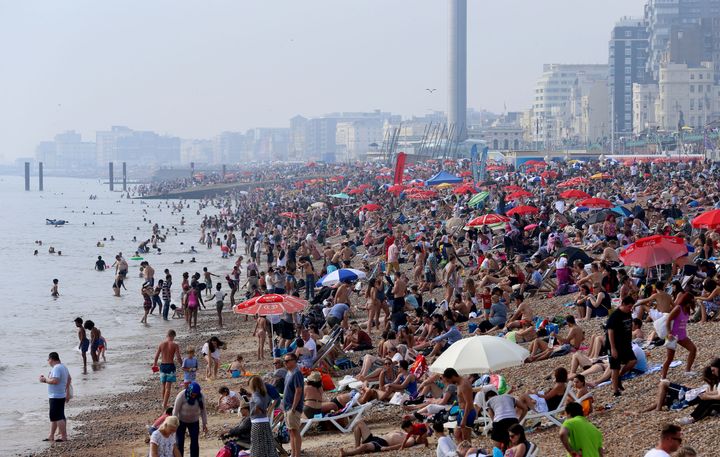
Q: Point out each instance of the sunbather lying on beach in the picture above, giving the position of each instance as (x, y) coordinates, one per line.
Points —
(367, 443)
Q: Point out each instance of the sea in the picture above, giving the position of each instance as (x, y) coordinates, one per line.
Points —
(32, 323)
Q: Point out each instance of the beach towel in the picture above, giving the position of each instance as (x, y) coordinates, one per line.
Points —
(635, 374)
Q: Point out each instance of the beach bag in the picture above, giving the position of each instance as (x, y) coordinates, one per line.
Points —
(282, 435)
(327, 382)
(419, 366)
(660, 328)
(343, 363)
(399, 398)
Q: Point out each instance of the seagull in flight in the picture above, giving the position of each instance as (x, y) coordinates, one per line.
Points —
(431, 90)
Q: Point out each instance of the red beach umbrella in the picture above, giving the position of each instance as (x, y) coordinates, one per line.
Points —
(522, 210)
(530, 227)
(464, 189)
(370, 207)
(290, 215)
(707, 220)
(271, 305)
(574, 193)
(595, 203)
(519, 194)
(487, 219)
(513, 188)
(355, 192)
(654, 250)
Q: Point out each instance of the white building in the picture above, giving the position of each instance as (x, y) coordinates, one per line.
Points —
(197, 151)
(687, 96)
(550, 109)
(644, 98)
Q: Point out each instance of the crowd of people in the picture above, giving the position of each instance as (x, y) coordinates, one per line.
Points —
(439, 264)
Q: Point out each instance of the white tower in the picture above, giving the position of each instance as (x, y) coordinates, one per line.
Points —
(457, 76)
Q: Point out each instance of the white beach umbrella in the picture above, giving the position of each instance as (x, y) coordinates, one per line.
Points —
(480, 354)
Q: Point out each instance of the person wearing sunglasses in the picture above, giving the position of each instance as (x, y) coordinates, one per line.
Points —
(670, 441)
(293, 402)
(519, 445)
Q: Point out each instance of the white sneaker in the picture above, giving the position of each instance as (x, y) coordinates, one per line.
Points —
(685, 420)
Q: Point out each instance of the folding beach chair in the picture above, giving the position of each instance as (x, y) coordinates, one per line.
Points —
(552, 416)
(353, 414)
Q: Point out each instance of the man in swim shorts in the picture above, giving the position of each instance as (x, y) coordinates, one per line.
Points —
(84, 342)
(170, 352)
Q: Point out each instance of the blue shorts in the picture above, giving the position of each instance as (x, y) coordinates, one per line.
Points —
(84, 345)
(472, 415)
(167, 372)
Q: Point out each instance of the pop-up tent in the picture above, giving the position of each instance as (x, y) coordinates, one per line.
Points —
(443, 177)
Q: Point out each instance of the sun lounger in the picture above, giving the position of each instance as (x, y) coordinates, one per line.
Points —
(354, 414)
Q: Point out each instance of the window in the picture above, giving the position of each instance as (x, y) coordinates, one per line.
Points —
(628, 34)
(628, 51)
(495, 144)
(692, 88)
(692, 75)
(506, 144)
(700, 88)
(628, 70)
(628, 79)
(516, 144)
(692, 104)
(700, 76)
(628, 61)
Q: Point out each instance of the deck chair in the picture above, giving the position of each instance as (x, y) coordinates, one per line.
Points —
(324, 352)
(552, 416)
(354, 414)
(582, 399)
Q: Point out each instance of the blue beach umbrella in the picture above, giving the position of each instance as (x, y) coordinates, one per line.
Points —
(622, 211)
(341, 275)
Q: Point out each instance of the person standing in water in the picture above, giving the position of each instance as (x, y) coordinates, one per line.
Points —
(54, 291)
(84, 342)
(207, 276)
(168, 352)
(97, 342)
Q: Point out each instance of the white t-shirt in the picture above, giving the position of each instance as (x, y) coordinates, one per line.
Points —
(165, 445)
(656, 453)
(503, 407)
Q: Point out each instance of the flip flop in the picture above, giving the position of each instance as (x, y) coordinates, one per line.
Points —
(46, 439)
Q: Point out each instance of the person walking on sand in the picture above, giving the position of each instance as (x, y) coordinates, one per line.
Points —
(190, 409)
(59, 382)
(170, 352)
(676, 330)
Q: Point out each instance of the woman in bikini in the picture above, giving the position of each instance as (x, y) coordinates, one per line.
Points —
(260, 331)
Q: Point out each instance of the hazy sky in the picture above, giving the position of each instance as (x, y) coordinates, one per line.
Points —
(196, 68)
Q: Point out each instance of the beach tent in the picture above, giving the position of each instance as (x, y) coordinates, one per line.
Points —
(442, 178)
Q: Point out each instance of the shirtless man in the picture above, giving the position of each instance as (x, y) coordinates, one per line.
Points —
(663, 303)
(523, 315)
(366, 443)
(346, 254)
(609, 255)
(540, 350)
(121, 270)
(342, 294)
(468, 414)
(84, 342)
(148, 274)
(170, 352)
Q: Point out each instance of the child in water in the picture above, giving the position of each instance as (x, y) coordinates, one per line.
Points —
(54, 292)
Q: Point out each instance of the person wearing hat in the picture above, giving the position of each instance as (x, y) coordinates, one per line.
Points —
(190, 410)
(163, 441)
(314, 403)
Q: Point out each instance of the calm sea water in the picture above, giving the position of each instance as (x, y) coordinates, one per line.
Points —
(33, 323)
